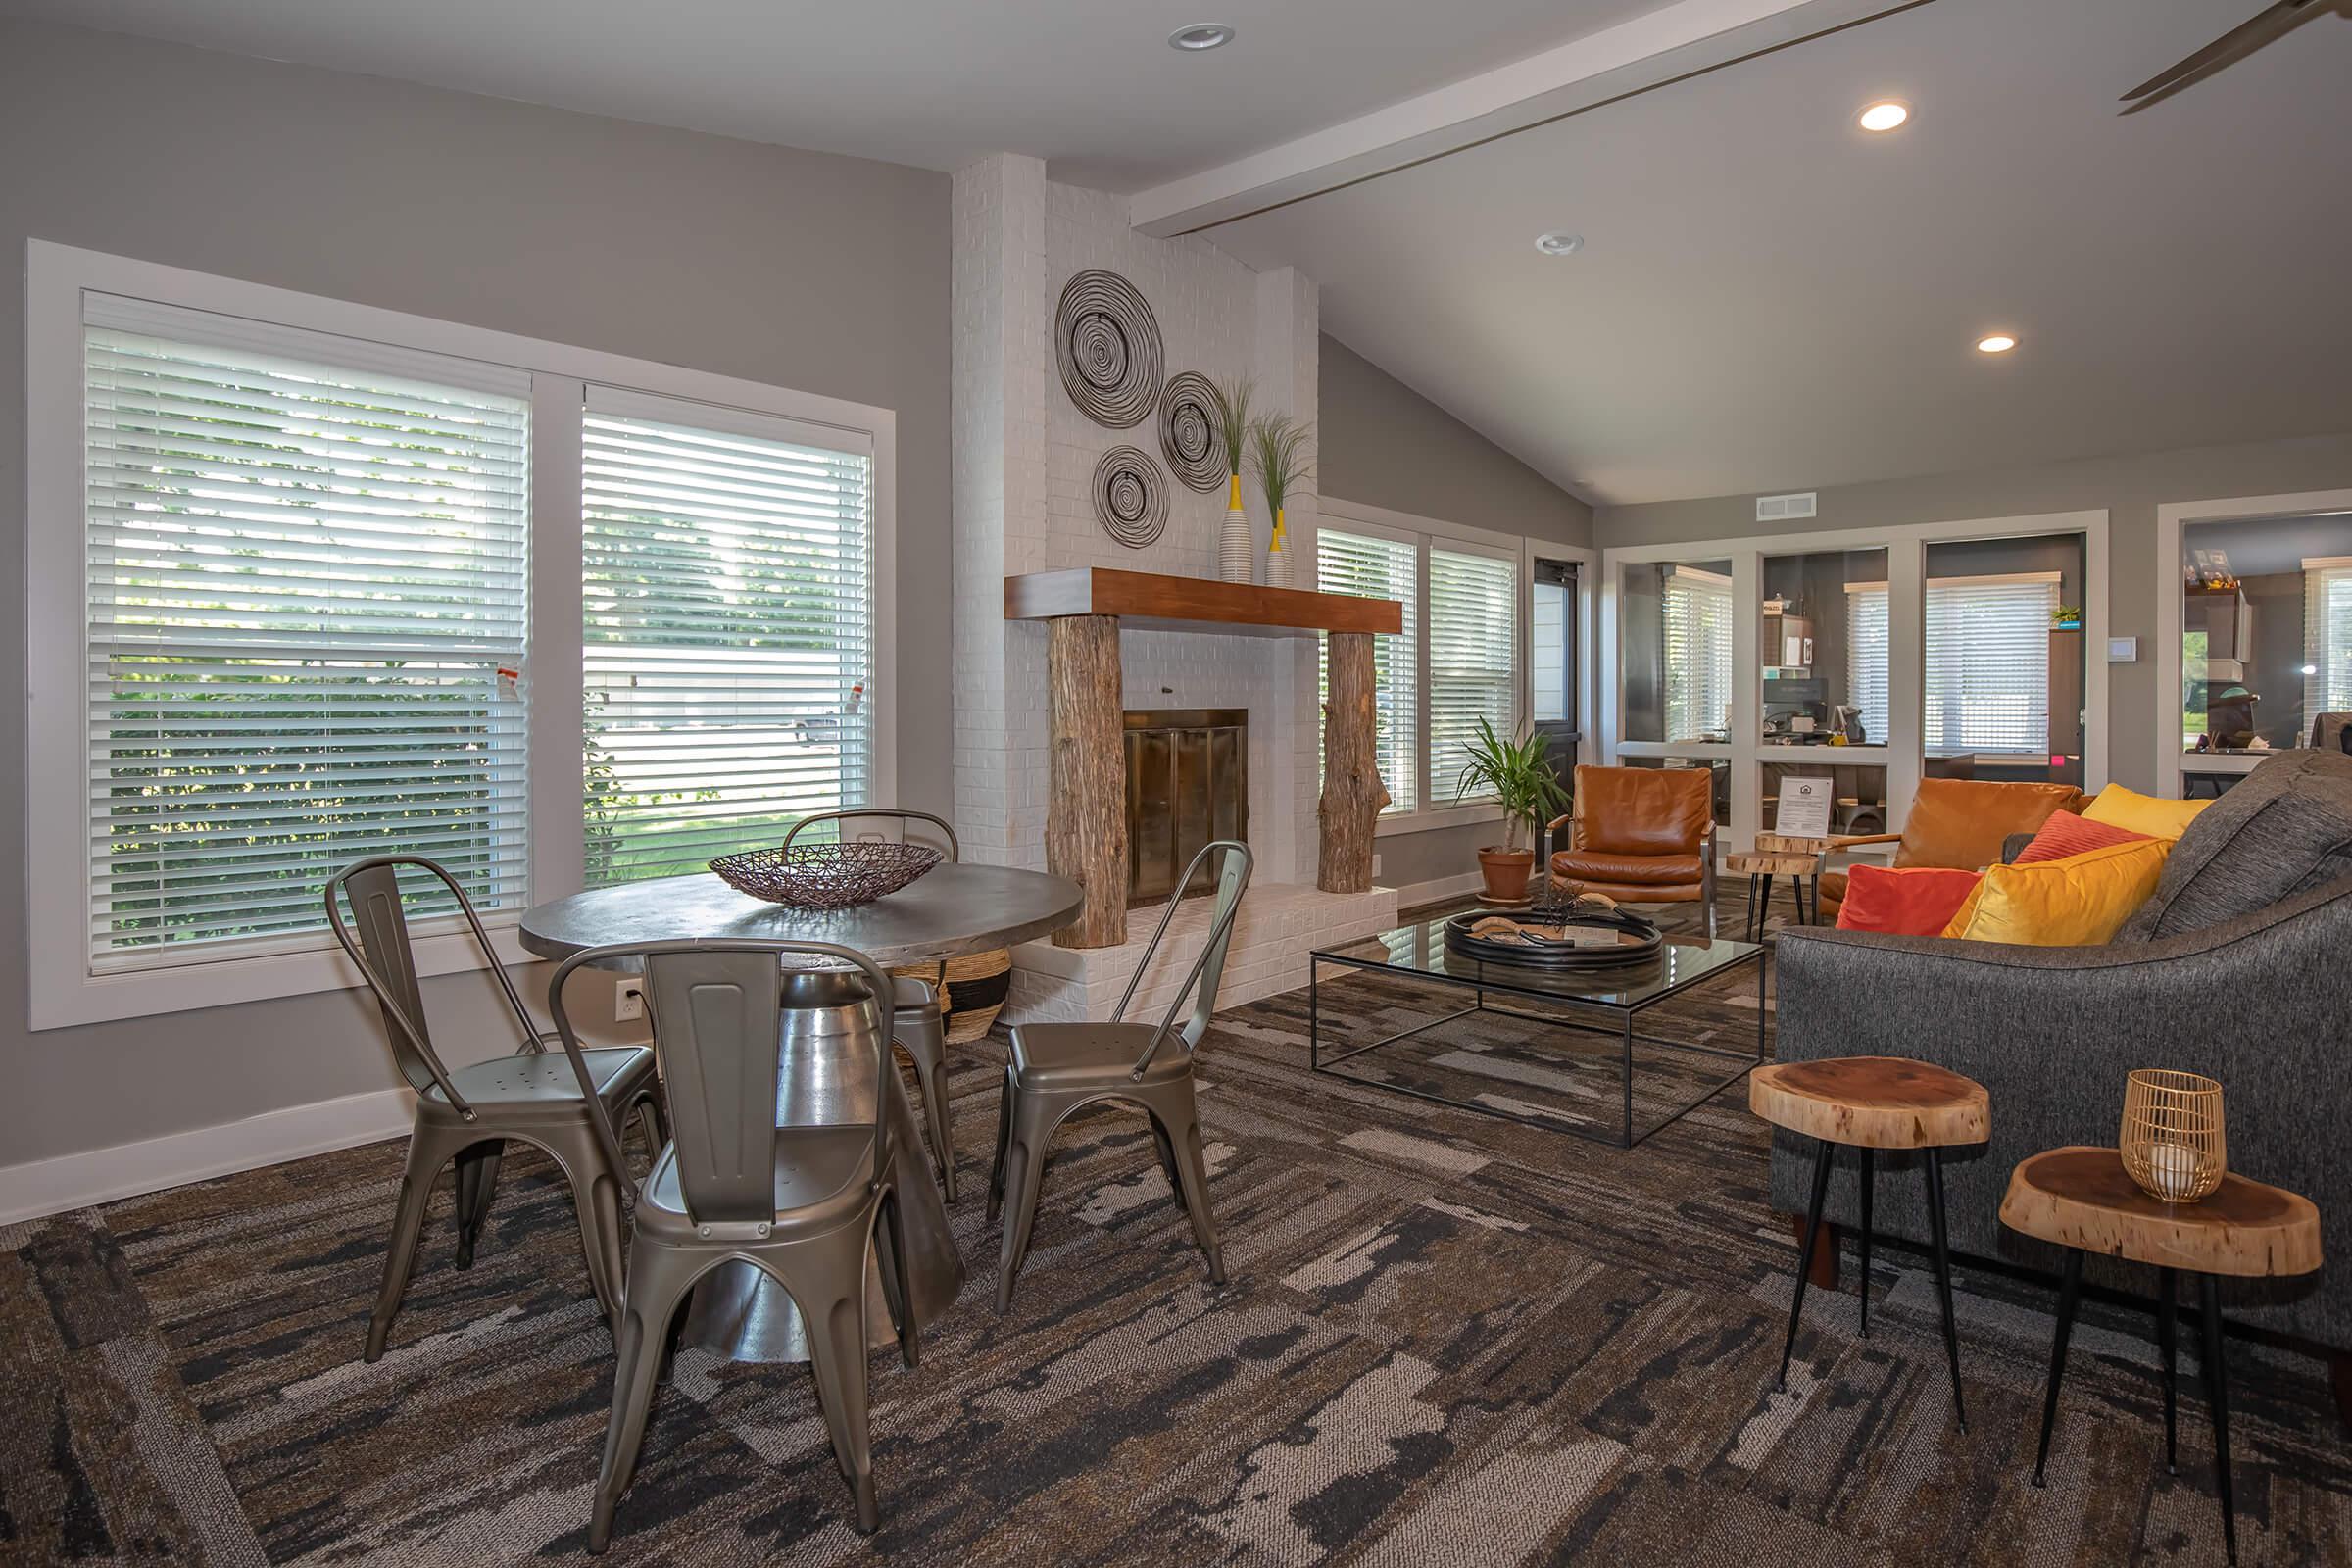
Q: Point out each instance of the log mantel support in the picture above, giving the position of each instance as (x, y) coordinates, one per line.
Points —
(1352, 793)
(1086, 813)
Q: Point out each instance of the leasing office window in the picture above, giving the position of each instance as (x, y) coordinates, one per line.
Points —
(302, 589)
(2326, 636)
(1698, 632)
(727, 635)
(1987, 652)
(305, 576)
(1866, 655)
(1455, 662)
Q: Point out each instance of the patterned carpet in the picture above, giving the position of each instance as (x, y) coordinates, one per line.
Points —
(1448, 1339)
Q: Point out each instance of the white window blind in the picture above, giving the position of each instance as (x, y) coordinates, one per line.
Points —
(728, 617)
(1988, 664)
(1370, 567)
(1473, 643)
(1697, 607)
(1866, 657)
(2328, 636)
(305, 565)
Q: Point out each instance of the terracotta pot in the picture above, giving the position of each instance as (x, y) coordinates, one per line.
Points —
(1506, 873)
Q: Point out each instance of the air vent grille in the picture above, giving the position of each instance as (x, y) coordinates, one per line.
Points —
(1782, 509)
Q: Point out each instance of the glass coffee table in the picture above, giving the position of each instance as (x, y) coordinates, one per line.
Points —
(1593, 1002)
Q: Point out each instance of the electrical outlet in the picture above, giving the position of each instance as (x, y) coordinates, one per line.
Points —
(628, 1001)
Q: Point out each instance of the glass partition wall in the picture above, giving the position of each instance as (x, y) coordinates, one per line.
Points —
(1860, 663)
(2265, 643)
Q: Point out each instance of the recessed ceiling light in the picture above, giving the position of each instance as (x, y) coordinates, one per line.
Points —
(1559, 244)
(1885, 114)
(1201, 36)
(1995, 343)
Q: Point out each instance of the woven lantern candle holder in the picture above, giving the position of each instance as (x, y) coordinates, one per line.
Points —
(2172, 1138)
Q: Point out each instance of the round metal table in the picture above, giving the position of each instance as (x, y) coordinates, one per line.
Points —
(737, 1311)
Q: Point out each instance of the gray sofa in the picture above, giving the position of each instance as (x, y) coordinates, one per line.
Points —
(2239, 966)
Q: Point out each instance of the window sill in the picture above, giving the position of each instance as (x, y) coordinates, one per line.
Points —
(1431, 821)
(228, 981)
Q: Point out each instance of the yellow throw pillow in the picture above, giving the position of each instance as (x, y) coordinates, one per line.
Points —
(2081, 901)
(2135, 812)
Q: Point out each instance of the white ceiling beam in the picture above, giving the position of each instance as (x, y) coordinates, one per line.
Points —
(1674, 40)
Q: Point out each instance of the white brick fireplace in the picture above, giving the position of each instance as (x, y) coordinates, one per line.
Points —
(1023, 459)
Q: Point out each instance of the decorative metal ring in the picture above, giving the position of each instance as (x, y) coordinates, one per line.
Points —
(1109, 348)
(1130, 497)
(1188, 431)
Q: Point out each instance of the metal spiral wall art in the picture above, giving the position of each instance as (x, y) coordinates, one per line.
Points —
(1188, 431)
(1108, 347)
(1130, 497)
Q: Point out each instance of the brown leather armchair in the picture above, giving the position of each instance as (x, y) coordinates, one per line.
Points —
(1642, 835)
(1957, 823)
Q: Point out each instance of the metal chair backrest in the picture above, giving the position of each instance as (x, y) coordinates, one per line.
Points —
(387, 960)
(1233, 876)
(903, 816)
(717, 1013)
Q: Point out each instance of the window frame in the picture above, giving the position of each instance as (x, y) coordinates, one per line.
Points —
(64, 989)
(1361, 518)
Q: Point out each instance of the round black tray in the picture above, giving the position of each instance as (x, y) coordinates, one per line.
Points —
(1646, 944)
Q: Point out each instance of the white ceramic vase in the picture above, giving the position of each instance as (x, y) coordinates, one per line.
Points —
(1234, 554)
(1278, 555)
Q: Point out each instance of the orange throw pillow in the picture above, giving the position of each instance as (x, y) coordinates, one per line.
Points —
(1916, 901)
(2066, 834)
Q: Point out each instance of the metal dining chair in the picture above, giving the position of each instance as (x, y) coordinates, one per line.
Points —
(808, 1206)
(918, 1025)
(1057, 1068)
(468, 1115)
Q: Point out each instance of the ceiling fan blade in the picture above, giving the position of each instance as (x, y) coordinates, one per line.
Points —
(2273, 18)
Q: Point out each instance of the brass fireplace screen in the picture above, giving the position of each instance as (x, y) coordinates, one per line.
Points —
(1188, 784)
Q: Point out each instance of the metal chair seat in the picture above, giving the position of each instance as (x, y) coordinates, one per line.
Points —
(467, 1115)
(822, 1177)
(1057, 1068)
(543, 1079)
(910, 995)
(1076, 1055)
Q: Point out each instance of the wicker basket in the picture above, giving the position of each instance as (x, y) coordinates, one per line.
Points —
(971, 991)
(827, 876)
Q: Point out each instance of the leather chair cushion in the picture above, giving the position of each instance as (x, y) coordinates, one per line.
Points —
(1960, 823)
(1643, 811)
(1637, 870)
(1635, 893)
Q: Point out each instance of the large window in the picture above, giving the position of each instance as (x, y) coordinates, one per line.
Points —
(310, 583)
(1698, 628)
(1456, 661)
(1987, 651)
(305, 577)
(1866, 657)
(726, 637)
(1472, 647)
(1372, 568)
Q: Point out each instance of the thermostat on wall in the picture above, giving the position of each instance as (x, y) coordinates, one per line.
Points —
(2122, 650)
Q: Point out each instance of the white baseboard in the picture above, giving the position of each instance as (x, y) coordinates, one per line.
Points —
(100, 1175)
(1412, 895)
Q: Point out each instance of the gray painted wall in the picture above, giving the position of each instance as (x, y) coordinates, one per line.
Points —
(822, 273)
(2129, 488)
(1383, 443)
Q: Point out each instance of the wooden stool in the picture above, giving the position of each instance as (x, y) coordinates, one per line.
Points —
(2084, 1200)
(1874, 1102)
(1779, 855)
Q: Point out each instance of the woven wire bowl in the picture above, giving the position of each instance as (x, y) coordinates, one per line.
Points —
(2173, 1138)
(827, 876)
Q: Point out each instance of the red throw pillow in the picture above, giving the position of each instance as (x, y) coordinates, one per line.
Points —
(1917, 900)
(2066, 834)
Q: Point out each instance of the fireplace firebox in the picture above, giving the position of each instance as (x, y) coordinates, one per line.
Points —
(1188, 784)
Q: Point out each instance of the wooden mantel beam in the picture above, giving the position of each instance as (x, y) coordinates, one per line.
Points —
(1194, 603)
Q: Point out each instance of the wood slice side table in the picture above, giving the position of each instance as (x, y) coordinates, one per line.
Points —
(1870, 1104)
(2084, 1201)
(1779, 855)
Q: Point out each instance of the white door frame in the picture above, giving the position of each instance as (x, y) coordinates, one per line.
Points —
(2170, 517)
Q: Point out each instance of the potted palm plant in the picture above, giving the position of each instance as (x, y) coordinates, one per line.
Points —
(1528, 788)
